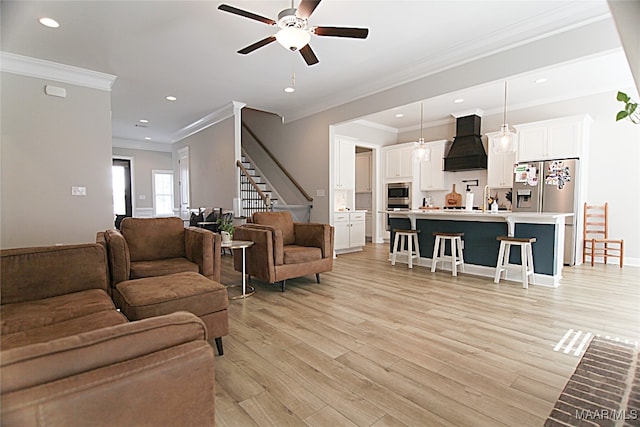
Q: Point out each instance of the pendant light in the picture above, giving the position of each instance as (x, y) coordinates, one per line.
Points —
(421, 150)
(505, 140)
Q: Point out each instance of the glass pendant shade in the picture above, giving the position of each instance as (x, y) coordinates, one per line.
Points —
(505, 141)
(293, 38)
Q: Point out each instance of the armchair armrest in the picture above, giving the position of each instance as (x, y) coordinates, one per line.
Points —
(118, 256)
(268, 241)
(203, 247)
(163, 366)
(315, 235)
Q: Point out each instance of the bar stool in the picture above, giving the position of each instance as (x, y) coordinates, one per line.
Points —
(526, 258)
(456, 259)
(401, 236)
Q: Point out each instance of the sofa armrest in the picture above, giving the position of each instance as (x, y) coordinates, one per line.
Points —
(203, 247)
(162, 367)
(118, 256)
(268, 241)
(315, 235)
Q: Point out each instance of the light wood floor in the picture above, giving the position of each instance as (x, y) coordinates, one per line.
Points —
(376, 345)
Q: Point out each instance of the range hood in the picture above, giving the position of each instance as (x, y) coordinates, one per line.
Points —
(467, 151)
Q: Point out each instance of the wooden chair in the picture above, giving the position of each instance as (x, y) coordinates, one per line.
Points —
(596, 236)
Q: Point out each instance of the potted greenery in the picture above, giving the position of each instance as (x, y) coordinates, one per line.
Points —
(630, 108)
(226, 228)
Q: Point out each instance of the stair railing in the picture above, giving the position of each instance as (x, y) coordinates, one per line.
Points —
(263, 204)
(280, 165)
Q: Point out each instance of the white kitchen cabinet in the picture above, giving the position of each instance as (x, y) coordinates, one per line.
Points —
(499, 165)
(349, 231)
(553, 139)
(398, 163)
(363, 172)
(344, 164)
(431, 169)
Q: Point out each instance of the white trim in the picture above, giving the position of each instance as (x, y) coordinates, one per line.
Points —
(203, 123)
(39, 68)
(143, 213)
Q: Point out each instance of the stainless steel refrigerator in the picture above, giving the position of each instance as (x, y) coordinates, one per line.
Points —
(549, 186)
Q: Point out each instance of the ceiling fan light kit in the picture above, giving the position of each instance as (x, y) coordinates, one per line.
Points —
(294, 33)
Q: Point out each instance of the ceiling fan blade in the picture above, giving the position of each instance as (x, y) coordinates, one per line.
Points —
(257, 45)
(246, 14)
(309, 57)
(306, 8)
(355, 33)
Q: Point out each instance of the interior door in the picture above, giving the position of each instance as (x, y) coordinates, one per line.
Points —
(183, 182)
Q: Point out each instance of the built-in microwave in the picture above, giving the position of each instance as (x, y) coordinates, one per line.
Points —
(399, 195)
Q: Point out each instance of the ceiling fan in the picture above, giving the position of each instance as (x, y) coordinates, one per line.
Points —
(294, 33)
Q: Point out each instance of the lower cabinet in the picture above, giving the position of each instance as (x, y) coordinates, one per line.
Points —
(349, 231)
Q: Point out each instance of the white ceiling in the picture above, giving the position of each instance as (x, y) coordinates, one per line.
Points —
(188, 49)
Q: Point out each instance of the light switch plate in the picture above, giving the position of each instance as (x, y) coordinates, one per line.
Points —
(78, 191)
(320, 193)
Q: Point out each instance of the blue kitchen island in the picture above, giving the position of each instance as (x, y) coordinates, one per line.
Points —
(480, 245)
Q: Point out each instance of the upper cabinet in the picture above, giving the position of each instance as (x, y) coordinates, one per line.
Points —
(499, 165)
(431, 168)
(363, 172)
(344, 164)
(553, 139)
(398, 162)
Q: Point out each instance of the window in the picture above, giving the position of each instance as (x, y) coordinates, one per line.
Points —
(163, 193)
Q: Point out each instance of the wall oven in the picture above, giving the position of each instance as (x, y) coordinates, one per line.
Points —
(398, 197)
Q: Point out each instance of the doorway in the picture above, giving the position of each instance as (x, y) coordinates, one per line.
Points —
(122, 191)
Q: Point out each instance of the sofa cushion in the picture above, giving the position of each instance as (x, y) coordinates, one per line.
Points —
(279, 220)
(36, 314)
(66, 328)
(30, 274)
(161, 267)
(294, 254)
(154, 238)
(155, 296)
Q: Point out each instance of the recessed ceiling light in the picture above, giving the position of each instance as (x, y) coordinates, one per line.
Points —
(49, 22)
(170, 98)
(289, 89)
(399, 116)
(542, 80)
(458, 101)
(148, 138)
(144, 121)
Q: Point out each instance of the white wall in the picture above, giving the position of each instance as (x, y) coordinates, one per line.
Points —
(212, 166)
(50, 144)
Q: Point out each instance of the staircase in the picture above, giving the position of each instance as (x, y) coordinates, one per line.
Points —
(251, 200)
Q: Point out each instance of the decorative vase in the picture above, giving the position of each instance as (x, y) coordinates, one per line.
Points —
(226, 237)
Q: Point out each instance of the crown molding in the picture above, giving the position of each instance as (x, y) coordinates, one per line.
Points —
(206, 121)
(39, 68)
(140, 145)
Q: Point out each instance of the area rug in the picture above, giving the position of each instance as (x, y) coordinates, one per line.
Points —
(604, 390)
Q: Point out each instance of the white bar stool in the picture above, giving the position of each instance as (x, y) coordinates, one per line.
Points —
(526, 258)
(401, 236)
(456, 259)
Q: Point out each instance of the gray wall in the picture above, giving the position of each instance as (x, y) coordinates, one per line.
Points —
(50, 144)
(212, 165)
(144, 161)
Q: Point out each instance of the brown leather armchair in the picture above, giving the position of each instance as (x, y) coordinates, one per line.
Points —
(284, 249)
(147, 247)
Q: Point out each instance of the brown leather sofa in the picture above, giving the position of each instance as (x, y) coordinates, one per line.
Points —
(147, 247)
(69, 358)
(284, 249)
